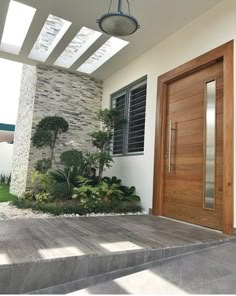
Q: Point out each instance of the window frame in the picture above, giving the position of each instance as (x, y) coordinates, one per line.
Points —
(127, 90)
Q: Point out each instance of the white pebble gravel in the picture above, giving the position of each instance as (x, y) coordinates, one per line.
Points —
(103, 214)
(8, 212)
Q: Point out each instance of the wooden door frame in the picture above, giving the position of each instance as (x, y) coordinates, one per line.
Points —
(225, 52)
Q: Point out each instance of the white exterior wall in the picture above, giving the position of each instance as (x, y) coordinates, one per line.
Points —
(6, 153)
(205, 33)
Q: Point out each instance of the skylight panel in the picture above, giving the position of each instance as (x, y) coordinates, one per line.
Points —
(51, 33)
(82, 41)
(103, 54)
(18, 21)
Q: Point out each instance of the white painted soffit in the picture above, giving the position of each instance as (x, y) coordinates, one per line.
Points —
(53, 31)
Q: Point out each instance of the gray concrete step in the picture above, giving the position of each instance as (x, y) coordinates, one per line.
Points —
(211, 271)
(116, 266)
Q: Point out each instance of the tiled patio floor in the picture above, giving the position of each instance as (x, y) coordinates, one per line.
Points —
(39, 254)
(40, 239)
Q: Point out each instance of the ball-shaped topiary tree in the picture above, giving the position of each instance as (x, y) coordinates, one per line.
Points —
(47, 132)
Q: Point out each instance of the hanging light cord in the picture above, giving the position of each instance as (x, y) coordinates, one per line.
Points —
(110, 7)
(109, 10)
(128, 6)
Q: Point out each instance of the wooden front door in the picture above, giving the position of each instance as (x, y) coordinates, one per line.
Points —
(193, 165)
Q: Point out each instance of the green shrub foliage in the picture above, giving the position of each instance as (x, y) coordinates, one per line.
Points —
(72, 158)
(73, 207)
(47, 132)
(42, 183)
(43, 165)
(62, 191)
(67, 176)
(107, 196)
(109, 191)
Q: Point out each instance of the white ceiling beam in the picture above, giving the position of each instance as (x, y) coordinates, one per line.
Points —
(89, 52)
(34, 30)
(3, 15)
(65, 40)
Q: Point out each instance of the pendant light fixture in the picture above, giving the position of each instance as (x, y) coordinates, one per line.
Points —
(118, 23)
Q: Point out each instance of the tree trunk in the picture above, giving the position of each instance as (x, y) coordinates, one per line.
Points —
(53, 147)
(100, 171)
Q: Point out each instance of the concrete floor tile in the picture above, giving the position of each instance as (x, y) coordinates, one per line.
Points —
(225, 285)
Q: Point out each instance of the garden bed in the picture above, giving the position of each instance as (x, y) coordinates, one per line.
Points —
(76, 184)
(73, 207)
(27, 210)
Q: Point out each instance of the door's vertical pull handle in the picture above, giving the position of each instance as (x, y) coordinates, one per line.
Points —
(169, 148)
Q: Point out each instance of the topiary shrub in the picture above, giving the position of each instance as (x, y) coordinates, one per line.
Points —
(47, 132)
(72, 158)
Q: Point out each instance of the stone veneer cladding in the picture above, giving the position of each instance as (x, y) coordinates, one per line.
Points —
(22, 134)
(75, 97)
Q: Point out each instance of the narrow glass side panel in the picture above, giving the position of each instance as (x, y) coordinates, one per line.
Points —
(209, 196)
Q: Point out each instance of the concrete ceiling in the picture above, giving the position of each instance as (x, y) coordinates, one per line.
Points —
(158, 19)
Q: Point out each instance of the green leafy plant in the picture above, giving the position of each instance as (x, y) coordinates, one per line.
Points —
(47, 132)
(109, 192)
(67, 176)
(85, 190)
(110, 119)
(112, 180)
(91, 164)
(28, 195)
(42, 197)
(74, 158)
(62, 192)
(79, 206)
(42, 182)
(43, 165)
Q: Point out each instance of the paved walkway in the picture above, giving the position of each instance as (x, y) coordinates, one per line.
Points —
(41, 239)
(212, 271)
